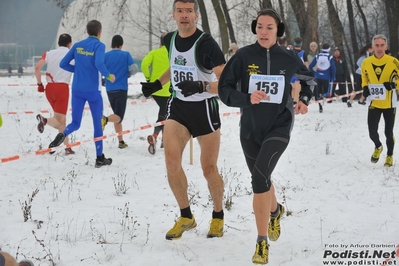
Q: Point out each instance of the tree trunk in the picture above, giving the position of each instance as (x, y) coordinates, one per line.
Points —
(224, 36)
(392, 8)
(336, 27)
(355, 47)
(300, 14)
(312, 24)
(264, 4)
(287, 31)
(364, 19)
(228, 21)
(204, 17)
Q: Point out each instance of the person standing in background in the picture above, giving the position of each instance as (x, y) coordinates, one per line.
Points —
(57, 88)
(9, 70)
(312, 52)
(325, 73)
(380, 79)
(20, 71)
(296, 86)
(365, 52)
(232, 50)
(120, 63)
(88, 69)
(282, 41)
(342, 76)
(154, 64)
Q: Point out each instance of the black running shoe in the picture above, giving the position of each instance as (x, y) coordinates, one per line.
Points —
(26, 263)
(152, 141)
(320, 108)
(41, 122)
(57, 141)
(101, 161)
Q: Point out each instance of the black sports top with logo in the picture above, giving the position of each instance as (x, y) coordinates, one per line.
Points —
(256, 68)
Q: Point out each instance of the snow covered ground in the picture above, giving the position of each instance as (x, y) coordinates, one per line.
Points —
(338, 203)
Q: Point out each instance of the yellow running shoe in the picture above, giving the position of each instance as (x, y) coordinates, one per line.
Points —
(376, 154)
(273, 230)
(122, 145)
(182, 224)
(104, 121)
(388, 161)
(261, 255)
(216, 228)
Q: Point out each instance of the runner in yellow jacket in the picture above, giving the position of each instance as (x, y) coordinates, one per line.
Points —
(154, 64)
(379, 81)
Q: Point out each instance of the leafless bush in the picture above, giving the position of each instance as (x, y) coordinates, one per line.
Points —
(26, 206)
(120, 184)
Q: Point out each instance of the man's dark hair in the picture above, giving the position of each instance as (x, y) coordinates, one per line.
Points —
(117, 41)
(93, 27)
(298, 42)
(162, 42)
(325, 46)
(196, 7)
(64, 39)
(282, 41)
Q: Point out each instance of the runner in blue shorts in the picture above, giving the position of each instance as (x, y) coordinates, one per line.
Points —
(120, 63)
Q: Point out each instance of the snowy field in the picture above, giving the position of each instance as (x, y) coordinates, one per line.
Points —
(340, 206)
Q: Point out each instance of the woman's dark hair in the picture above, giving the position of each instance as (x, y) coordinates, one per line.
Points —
(364, 49)
(273, 13)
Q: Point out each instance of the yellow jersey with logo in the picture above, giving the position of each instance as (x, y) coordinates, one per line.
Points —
(376, 71)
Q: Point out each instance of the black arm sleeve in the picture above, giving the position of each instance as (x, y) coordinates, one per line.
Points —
(229, 89)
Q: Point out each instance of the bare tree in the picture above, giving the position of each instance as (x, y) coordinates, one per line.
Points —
(364, 20)
(228, 21)
(224, 36)
(233, 18)
(300, 14)
(312, 24)
(392, 9)
(287, 31)
(352, 57)
(264, 4)
(336, 26)
(352, 31)
(204, 17)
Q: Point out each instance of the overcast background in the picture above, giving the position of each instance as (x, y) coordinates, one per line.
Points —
(29, 23)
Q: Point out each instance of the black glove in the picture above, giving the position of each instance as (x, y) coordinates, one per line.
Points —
(189, 87)
(103, 82)
(149, 88)
(366, 91)
(389, 85)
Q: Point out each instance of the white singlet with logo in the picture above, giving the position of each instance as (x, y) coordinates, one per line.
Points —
(272, 85)
(54, 73)
(183, 67)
